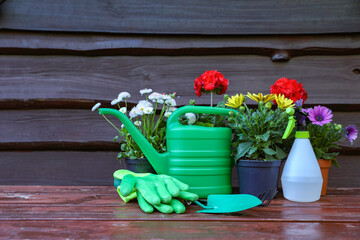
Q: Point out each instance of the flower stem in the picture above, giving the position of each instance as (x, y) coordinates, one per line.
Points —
(110, 123)
(211, 101)
(160, 119)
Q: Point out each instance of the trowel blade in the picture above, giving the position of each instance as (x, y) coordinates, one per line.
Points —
(227, 203)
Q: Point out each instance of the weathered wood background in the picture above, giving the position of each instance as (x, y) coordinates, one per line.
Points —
(58, 58)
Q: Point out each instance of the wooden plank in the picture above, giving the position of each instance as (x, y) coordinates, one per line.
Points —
(103, 190)
(44, 189)
(90, 206)
(66, 128)
(93, 44)
(66, 229)
(186, 17)
(31, 104)
(44, 212)
(58, 168)
(56, 125)
(63, 202)
(74, 168)
(102, 78)
(347, 173)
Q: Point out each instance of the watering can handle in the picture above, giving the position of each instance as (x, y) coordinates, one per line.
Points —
(174, 117)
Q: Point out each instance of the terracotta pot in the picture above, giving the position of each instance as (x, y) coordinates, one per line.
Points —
(324, 166)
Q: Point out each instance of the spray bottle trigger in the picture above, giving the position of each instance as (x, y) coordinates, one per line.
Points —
(291, 123)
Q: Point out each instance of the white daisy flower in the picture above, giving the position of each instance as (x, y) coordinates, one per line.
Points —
(144, 104)
(96, 106)
(145, 91)
(156, 97)
(133, 113)
(170, 102)
(123, 95)
(137, 123)
(122, 126)
(139, 112)
(148, 110)
(123, 110)
(167, 114)
(191, 118)
(115, 101)
(165, 97)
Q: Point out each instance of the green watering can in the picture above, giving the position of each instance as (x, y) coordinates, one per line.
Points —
(197, 155)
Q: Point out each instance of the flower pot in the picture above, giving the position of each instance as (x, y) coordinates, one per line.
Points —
(140, 165)
(324, 166)
(257, 177)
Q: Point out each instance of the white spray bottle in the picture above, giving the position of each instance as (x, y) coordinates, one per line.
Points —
(301, 178)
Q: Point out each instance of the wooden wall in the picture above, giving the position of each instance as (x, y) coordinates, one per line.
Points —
(58, 58)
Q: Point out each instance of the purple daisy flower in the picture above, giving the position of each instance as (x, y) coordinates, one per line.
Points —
(351, 133)
(320, 115)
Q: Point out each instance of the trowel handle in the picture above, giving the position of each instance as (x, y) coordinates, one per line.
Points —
(174, 117)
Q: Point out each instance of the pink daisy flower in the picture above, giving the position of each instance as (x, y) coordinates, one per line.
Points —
(320, 115)
(351, 133)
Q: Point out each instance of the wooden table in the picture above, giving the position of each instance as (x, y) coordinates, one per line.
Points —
(78, 212)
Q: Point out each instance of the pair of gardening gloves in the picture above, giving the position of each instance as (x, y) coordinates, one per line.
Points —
(153, 191)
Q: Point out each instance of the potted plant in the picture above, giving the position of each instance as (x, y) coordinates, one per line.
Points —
(143, 115)
(258, 144)
(324, 134)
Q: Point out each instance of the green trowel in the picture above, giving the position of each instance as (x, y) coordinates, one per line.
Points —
(227, 203)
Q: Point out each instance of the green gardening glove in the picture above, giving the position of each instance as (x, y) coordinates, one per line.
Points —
(153, 191)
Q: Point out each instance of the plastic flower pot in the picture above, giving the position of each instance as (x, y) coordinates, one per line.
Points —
(257, 177)
(324, 166)
(140, 165)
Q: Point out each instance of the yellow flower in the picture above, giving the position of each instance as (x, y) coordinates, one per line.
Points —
(284, 102)
(260, 97)
(235, 101)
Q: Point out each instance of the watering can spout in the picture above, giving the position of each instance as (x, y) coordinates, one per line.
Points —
(159, 161)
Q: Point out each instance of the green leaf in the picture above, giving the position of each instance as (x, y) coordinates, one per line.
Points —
(123, 146)
(269, 157)
(265, 136)
(269, 151)
(335, 162)
(242, 137)
(252, 150)
(242, 149)
(280, 154)
(122, 132)
(318, 153)
(266, 144)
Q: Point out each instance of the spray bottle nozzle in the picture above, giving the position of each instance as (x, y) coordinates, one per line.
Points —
(291, 123)
(290, 111)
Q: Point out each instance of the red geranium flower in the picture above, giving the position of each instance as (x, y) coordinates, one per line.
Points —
(290, 88)
(211, 81)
